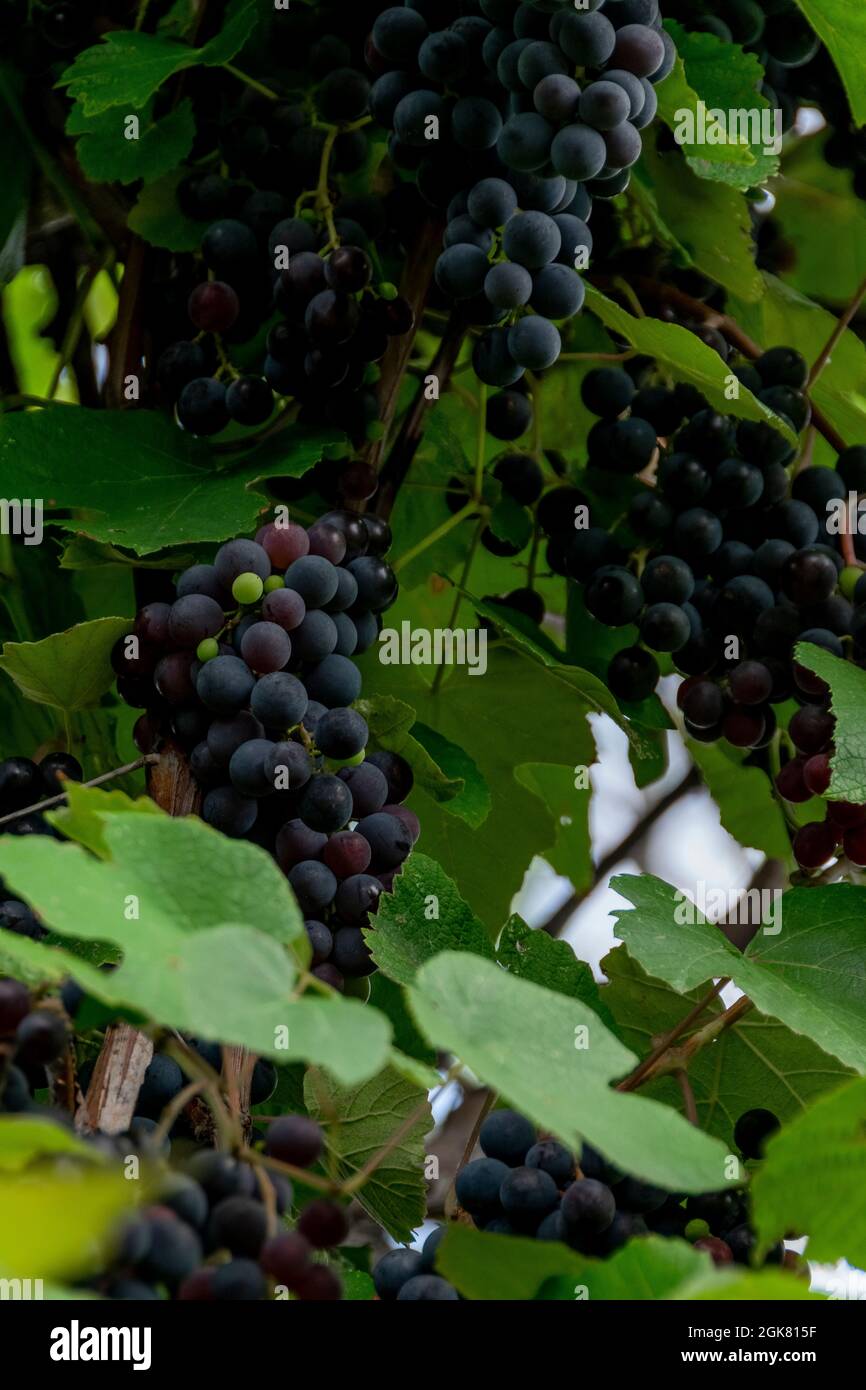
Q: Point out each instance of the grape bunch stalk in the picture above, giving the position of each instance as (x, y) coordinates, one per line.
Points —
(250, 670)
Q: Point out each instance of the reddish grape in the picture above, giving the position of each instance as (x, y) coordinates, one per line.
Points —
(213, 307)
(790, 783)
(327, 541)
(743, 727)
(815, 844)
(845, 815)
(811, 729)
(816, 774)
(854, 843)
(265, 648)
(347, 853)
(718, 1250)
(284, 543)
(285, 608)
(751, 683)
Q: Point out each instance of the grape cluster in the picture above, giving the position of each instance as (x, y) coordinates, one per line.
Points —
(329, 332)
(206, 1235)
(490, 116)
(527, 1186)
(723, 565)
(807, 774)
(250, 669)
(33, 1036)
(24, 784)
(726, 552)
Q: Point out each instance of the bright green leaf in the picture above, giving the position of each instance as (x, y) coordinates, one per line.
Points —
(69, 670)
(406, 931)
(24, 1138)
(830, 1140)
(807, 968)
(744, 795)
(556, 1067)
(758, 1063)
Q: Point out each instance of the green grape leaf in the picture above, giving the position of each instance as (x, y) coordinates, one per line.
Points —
(781, 315)
(25, 1138)
(592, 691)
(513, 1268)
(847, 694)
(175, 897)
(842, 27)
(358, 1123)
(82, 818)
(747, 806)
(753, 1285)
(79, 553)
(517, 713)
(531, 954)
(823, 222)
(571, 855)
(391, 723)
(157, 217)
(106, 155)
(52, 1228)
(704, 224)
(424, 915)
(807, 967)
(560, 1074)
(420, 510)
(22, 723)
(687, 358)
(511, 522)
(390, 999)
(143, 482)
(473, 802)
(69, 670)
(830, 1140)
(757, 1063)
(127, 68)
(712, 77)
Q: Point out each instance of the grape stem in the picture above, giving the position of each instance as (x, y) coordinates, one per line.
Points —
(303, 1175)
(842, 325)
(685, 1085)
(251, 82)
(148, 760)
(458, 597)
(649, 1063)
(471, 509)
(175, 1107)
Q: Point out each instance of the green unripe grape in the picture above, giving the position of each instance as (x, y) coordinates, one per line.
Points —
(208, 649)
(332, 453)
(275, 582)
(372, 374)
(247, 588)
(308, 215)
(696, 1230)
(337, 763)
(848, 580)
(387, 290)
(375, 430)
